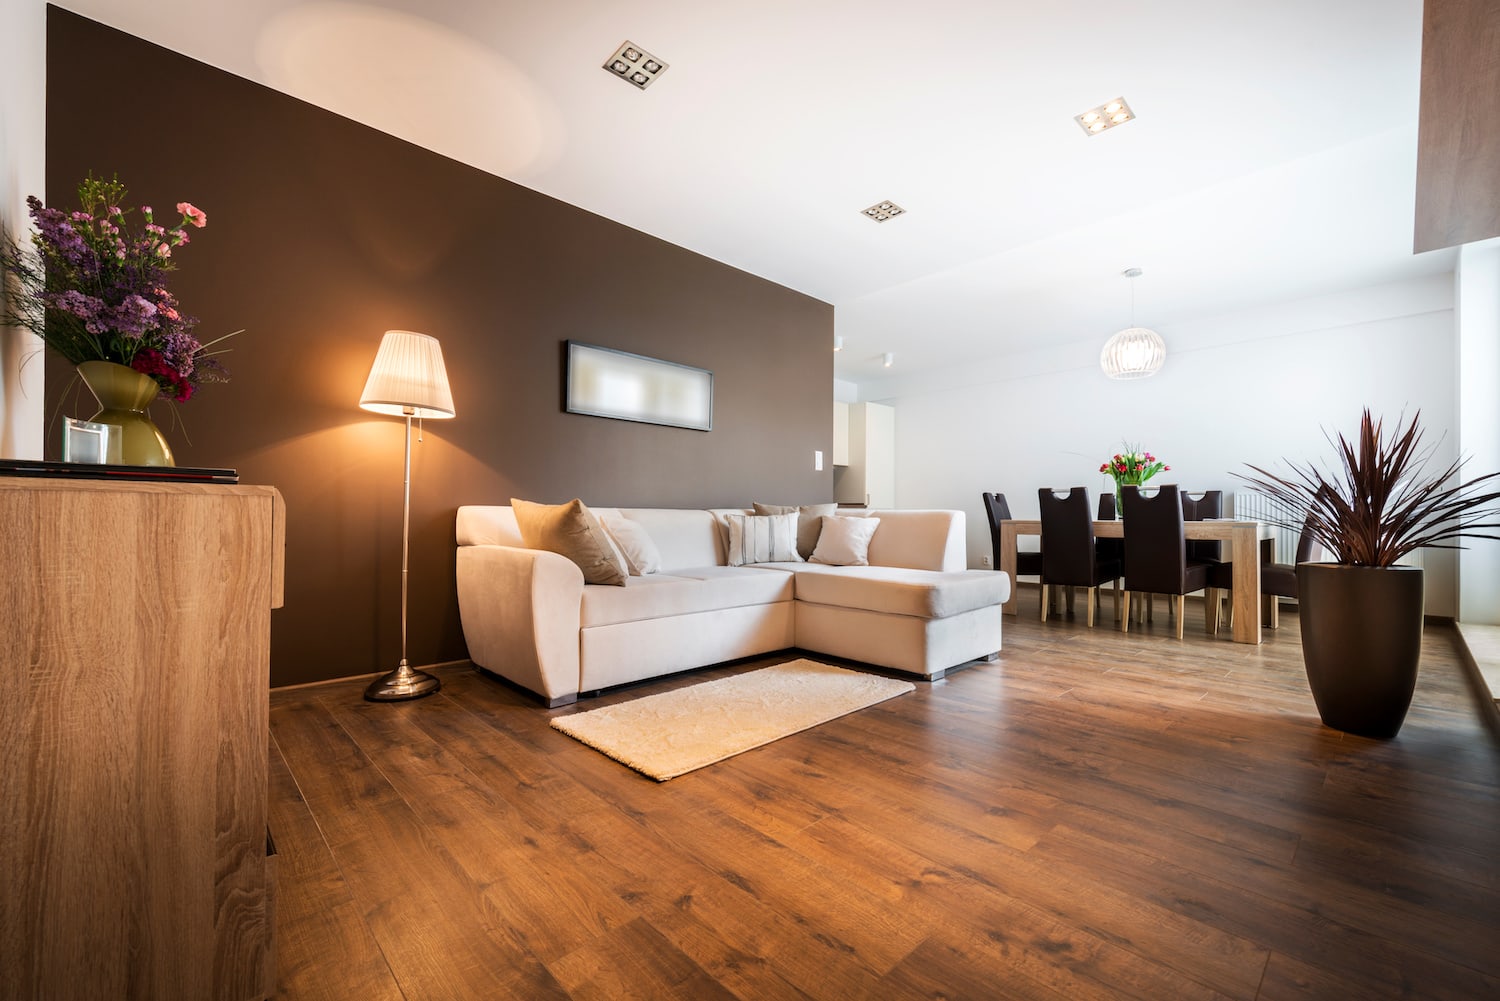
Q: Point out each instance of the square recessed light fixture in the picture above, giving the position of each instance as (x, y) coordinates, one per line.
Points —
(1106, 116)
(633, 63)
(883, 211)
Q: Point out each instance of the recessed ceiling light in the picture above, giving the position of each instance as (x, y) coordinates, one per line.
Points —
(1106, 116)
(883, 211)
(633, 63)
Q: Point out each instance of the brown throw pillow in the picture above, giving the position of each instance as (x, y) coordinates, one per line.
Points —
(571, 530)
(809, 521)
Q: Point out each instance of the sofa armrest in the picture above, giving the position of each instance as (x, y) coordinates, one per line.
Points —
(520, 614)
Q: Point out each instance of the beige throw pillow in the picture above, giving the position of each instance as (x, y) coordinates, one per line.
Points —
(571, 530)
(758, 539)
(641, 555)
(809, 521)
(845, 542)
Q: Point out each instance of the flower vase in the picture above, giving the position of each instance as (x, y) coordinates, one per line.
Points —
(123, 395)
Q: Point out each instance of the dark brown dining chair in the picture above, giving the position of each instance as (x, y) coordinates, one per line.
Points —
(1210, 504)
(1068, 554)
(997, 510)
(1156, 559)
(1279, 580)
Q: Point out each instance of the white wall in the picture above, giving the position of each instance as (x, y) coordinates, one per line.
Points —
(23, 80)
(845, 391)
(1252, 387)
(1478, 325)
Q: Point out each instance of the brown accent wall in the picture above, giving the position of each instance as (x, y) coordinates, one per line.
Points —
(322, 234)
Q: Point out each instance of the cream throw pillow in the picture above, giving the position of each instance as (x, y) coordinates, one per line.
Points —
(809, 521)
(641, 555)
(571, 530)
(845, 542)
(758, 539)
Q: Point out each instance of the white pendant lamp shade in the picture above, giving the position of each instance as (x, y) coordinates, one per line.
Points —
(1133, 353)
(408, 377)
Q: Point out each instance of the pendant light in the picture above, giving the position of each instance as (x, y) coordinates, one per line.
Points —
(1135, 352)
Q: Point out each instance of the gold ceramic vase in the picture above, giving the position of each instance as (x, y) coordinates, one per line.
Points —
(123, 395)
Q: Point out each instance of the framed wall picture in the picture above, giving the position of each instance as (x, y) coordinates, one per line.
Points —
(603, 382)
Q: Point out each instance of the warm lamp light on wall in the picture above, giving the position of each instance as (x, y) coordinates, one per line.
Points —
(407, 380)
(1135, 352)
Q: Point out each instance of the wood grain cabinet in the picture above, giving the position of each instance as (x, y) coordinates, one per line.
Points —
(133, 723)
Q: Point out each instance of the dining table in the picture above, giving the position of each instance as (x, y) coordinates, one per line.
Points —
(1244, 551)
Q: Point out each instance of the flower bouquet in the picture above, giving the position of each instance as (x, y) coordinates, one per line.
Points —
(93, 290)
(1134, 466)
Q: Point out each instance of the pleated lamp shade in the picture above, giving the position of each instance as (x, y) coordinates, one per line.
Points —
(1133, 353)
(408, 373)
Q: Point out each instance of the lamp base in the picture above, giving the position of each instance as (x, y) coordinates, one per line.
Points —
(401, 684)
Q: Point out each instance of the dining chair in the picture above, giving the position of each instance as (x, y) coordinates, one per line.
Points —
(1279, 580)
(1156, 559)
(1069, 556)
(1209, 504)
(1109, 549)
(997, 510)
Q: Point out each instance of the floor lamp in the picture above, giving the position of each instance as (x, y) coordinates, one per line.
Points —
(407, 380)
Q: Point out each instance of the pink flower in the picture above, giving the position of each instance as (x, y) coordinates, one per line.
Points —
(1104, 467)
(163, 251)
(1140, 467)
(1166, 469)
(179, 237)
(193, 214)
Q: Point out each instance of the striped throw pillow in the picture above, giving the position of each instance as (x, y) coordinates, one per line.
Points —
(762, 539)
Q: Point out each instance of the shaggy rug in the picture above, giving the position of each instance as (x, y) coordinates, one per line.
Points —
(667, 735)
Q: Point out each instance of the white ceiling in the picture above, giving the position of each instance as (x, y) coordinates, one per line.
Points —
(1273, 155)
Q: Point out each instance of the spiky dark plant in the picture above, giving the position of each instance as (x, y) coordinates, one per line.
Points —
(1379, 503)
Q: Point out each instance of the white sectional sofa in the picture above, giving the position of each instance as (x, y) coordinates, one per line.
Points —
(529, 617)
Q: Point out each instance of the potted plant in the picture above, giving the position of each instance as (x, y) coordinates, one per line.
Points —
(1362, 613)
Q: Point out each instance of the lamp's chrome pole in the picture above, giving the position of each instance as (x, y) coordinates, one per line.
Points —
(403, 682)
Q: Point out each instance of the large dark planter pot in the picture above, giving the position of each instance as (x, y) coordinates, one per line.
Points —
(1361, 640)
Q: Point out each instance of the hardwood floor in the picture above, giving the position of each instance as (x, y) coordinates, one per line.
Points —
(1092, 816)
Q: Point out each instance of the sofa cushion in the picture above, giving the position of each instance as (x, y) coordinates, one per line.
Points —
(685, 538)
(634, 542)
(845, 542)
(928, 594)
(809, 521)
(571, 530)
(684, 591)
(762, 539)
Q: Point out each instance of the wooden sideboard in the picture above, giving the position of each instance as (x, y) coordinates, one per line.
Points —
(134, 855)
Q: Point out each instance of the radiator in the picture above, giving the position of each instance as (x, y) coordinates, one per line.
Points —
(1250, 504)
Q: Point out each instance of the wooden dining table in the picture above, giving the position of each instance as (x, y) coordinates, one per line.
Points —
(1244, 550)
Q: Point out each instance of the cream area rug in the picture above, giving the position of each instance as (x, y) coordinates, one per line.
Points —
(673, 733)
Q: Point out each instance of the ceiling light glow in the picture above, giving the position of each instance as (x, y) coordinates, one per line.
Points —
(1105, 116)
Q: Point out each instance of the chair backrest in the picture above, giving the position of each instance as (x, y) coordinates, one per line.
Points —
(1107, 507)
(996, 510)
(1306, 542)
(1209, 505)
(1067, 537)
(1155, 548)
